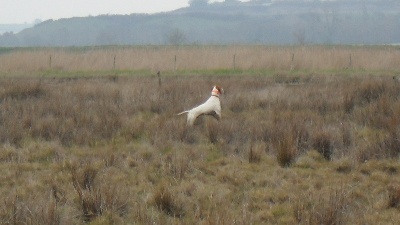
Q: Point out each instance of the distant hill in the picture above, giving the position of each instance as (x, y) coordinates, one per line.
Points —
(230, 22)
(13, 28)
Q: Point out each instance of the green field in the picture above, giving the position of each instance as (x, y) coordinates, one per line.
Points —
(299, 142)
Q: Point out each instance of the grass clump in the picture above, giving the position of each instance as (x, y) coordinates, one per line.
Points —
(323, 144)
(286, 153)
(326, 209)
(96, 198)
(394, 196)
(167, 202)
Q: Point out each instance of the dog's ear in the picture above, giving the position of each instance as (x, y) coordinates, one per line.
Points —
(220, 89)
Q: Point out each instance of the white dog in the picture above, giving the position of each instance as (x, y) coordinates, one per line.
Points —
(211, 107)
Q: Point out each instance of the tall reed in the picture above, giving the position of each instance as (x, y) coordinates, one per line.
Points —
(169, 58)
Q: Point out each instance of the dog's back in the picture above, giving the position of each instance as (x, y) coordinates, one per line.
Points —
(211, 107)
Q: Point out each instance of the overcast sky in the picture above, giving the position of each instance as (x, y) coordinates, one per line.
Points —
(26, 11)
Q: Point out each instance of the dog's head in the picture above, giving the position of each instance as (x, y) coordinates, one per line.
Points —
(217, 90)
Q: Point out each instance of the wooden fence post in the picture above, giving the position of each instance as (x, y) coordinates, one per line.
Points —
(292, 62)
(349, 66)
(50, 62)
(159, 78)
(175, 64)
(114, 62)
(234, 61)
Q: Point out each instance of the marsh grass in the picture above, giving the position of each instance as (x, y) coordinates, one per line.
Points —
(393, 196)
(286, 151)
(323, 144)
(40, 211)
(256, 152)
(96, 198)
(165, 201)
(325, 209)
(112, 150)
(221, 59)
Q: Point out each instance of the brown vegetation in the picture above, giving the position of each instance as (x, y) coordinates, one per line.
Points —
(305, 149)
(194, 58)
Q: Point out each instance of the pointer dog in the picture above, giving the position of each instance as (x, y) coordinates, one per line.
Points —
(211, 107)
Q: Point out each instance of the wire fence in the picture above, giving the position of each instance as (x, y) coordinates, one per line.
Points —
(168, 58)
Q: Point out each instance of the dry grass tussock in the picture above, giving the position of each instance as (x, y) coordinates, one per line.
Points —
(310, 149)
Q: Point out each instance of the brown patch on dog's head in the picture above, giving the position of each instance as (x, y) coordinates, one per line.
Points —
(220, 89)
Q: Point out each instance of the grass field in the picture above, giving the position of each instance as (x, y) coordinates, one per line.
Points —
(176, 60)
(296, 145)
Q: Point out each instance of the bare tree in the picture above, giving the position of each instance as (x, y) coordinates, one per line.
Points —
(176, 37)
(300, 36)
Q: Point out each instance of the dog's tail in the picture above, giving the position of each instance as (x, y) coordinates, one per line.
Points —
(183, 112)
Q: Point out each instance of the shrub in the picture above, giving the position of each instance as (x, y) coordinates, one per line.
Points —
(255, 153)
(286, 151)
(323, 144)
(166, 202)
(95, 199)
